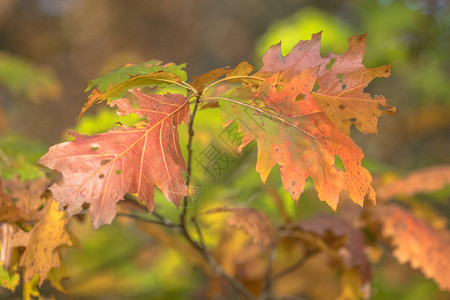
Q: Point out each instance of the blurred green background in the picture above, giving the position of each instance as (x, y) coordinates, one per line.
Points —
(50, 49)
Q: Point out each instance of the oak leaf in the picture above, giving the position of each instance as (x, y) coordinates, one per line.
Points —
(9, 211)
(42, 242)
(27, 194)
(422, 181)
(101, 168)
(303, 130)
(417, 242)
(114, 83)
(299, 137)
(353, 254)
(251, 221)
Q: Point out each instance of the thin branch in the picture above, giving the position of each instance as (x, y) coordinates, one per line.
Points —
(279, 203)
(147, 220)
(232, 78)
(189, 161)
(267, 292)
(293, 267)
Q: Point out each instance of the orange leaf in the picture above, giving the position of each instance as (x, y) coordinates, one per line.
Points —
(42, 242)
(416, 242)
(354, 254)
(422, 181)
(302, 130)
(252, 222)
(101, 168)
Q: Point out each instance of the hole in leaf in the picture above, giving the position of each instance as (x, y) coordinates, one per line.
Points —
(279, 88)
(94, 147)
(315, 87)
(339, 76)
(342, 106)
(353, 120)
(300, 97)
(343, 86)
(105, 161)
(118, 172)
(101, 176)
(85, 205)
(118, 124)
(331, 63)
(338, 163)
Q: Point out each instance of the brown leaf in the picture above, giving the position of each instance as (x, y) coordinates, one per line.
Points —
(101, 168)
(8, 209)
(416, 242)
(199, 82)
(42, 241)
(422, 181)
(252, 222)
(353, 254)
(27, 194)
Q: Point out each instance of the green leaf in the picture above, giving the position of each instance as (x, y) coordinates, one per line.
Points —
(24, 79)
(124, 73)
(18, 156)
(8, 281)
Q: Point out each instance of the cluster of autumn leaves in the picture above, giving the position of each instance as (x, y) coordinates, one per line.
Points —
(298, 108)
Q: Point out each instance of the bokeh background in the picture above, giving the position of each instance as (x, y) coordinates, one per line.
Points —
(50, 49)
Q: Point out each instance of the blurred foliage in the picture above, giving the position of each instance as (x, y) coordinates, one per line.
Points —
(396, 34)
(18, 156)
(24, 79)
(103, 120)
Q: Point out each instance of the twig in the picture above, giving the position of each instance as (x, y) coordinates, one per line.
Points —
(217, 269)
(267, 292)
(279, 203)
(293, 267)
(165, 222)
(189, 161)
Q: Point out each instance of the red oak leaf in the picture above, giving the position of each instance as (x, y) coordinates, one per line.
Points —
(341, 81)
(300, 138)
(101, 168)
(417, 242)
(302, 130)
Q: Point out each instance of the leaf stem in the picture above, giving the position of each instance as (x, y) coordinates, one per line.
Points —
(231, 78)
(270, 115)
(165, 222)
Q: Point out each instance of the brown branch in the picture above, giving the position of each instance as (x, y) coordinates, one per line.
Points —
(279, 203)
(294, 267)
(164, 222)
(267, 292)
(189, 161)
